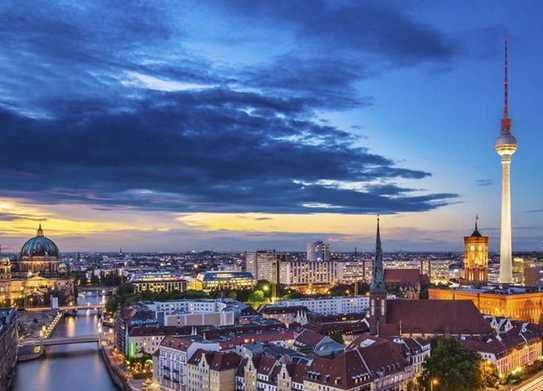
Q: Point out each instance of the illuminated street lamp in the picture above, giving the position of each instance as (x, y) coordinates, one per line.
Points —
(433, 383)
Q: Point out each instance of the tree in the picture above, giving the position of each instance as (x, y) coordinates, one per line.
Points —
(338, 337)
(452, 366)
(490, 378)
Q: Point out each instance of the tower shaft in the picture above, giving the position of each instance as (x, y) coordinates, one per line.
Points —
(506, 258)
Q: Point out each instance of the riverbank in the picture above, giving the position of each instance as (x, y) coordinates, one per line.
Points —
(120, 377)
(36, 325)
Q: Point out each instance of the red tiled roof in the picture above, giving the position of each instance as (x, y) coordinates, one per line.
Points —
(155, 331)
(506, 342)
(359, 364)
(264, 364)
(297, 371)
(217, 361)
(436, 317)
(308, 337)
(340, 371)
(176, 343)
(403, 276)
(384, 356)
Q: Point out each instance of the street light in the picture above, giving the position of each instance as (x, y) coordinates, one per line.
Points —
(433, 383)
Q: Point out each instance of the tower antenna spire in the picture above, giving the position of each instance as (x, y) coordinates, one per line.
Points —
(506, 81)
(506, 121)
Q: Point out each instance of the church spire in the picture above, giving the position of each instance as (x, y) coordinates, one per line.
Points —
(378, 283)
(506, 121)
(476, 222)
(40, 231)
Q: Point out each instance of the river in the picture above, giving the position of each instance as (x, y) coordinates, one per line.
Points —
(68, 367)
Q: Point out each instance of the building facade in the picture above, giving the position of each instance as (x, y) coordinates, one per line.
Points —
(318, 251)
(158, 282)
(212, 371)
(220, 280)
(328, 305)
(307, 276)
(515, 303)
(514, 346)
(8, 347)
(262, 264)
(170, 361)
(36, 276)
(476, 257)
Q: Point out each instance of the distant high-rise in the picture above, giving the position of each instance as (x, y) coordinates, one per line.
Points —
(262, 264)
(506, 146)
(318, 251)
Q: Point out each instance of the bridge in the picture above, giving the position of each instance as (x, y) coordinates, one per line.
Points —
(61, 340)
(88, 306)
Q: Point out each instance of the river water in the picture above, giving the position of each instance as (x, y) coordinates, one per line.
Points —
(68, 367)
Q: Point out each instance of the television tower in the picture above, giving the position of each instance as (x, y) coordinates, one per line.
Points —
(506, 146)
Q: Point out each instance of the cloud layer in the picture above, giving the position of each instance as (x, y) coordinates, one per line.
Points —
(107, 105)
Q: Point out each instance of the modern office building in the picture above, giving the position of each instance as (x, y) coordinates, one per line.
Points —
(216, 280)
(318, 251)
(158, 282)
(307, 276)
(262, 264)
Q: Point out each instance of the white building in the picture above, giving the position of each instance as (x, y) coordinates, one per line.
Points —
(170, 362)
(294, 273)
(221, 312)
(329, 305)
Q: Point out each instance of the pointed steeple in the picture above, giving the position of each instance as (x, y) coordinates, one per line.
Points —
(40, 231)
(506, 121)
(378, 283)
(476, 232)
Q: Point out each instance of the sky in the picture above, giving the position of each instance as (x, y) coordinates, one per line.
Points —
(242, 125)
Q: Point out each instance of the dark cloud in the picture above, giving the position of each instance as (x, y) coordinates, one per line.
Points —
(77, 126)
(373, 27)
(200, 151)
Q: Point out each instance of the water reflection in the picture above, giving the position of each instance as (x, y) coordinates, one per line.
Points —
(68, 367)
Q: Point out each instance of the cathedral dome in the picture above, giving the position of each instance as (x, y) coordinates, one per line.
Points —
(39, 246)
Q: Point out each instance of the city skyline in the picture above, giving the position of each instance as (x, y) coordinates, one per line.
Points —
(265, 131)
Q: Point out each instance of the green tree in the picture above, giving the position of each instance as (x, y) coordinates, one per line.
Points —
(452, 367)
(338, 337)
(490, 378)
(232, 295)
(265, 287)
